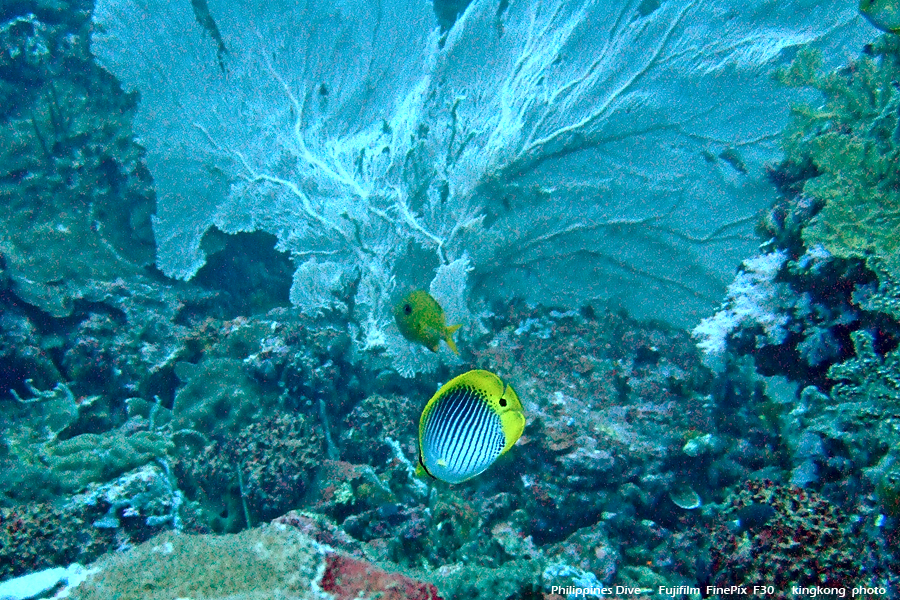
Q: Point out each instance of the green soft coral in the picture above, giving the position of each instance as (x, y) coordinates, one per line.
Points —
(853, 141)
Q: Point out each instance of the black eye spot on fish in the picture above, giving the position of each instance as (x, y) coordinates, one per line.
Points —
(502, 401)
(407, 308)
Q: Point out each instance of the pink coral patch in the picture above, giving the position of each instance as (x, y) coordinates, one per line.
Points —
(348, 578)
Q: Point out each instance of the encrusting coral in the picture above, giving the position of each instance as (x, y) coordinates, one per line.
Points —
(262, 471)
(76, 197)
(784, 536)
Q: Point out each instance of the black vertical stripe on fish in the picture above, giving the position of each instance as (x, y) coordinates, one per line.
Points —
(465, 445)
(479, 445)
(468, 447)
(437, 416)
(446, 414)
(460, 437)
(455, 436)
(456, 422)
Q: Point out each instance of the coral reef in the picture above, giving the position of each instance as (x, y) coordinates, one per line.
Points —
(514, 579)
(589, 549)
(619, 421)
(375, 420)
(835, 227)
(449, 169)
(40, 462)
(836, 295)
(632, 445)
(22, 355)
(76, 197)
(800, 539)
(754, 300)
(618, 401)
(217, 397)
(791, 312)
(867, 376)
(110, 516)
(93, 458)
(37, 536)
(136, 505)
(265, 468)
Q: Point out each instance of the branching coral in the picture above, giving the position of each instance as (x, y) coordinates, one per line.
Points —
(868, 376)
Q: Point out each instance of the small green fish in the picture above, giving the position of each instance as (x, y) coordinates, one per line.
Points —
(883, 14)
(421, 319)
(470, 422)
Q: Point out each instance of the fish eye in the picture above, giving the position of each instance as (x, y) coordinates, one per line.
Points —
(407, 308)
(502, 401)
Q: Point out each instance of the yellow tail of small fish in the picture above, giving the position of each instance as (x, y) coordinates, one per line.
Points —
(448, 337)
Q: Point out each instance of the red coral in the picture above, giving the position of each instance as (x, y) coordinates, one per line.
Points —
(348, 578)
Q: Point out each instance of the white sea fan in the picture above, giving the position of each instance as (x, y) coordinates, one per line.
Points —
(570, 152)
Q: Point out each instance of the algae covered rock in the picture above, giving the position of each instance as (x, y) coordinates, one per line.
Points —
(274, 562)
(268, 563)
(217, 396)
(255, 475)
